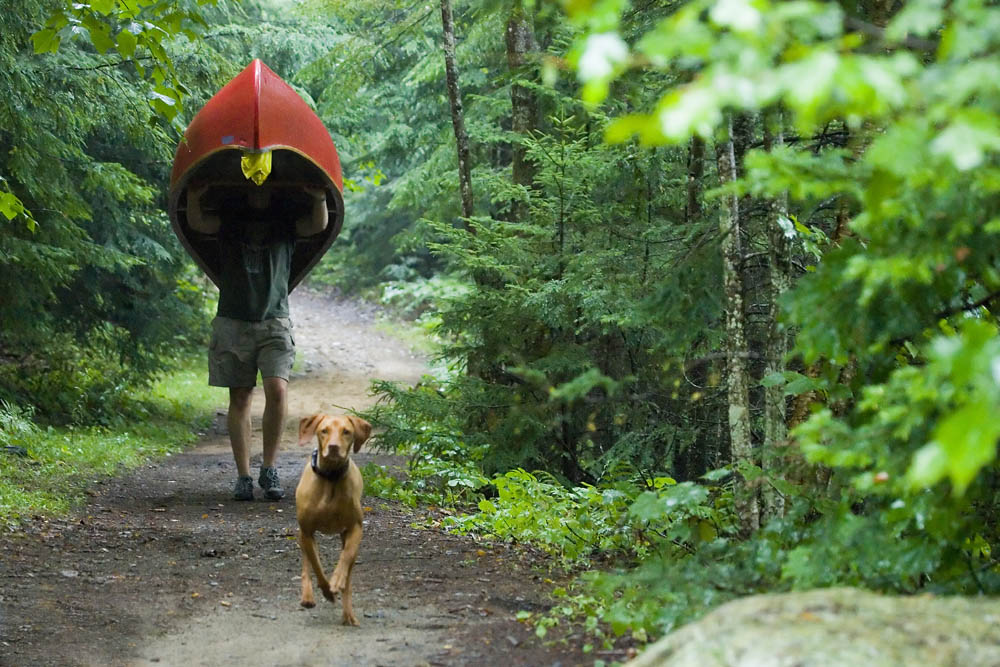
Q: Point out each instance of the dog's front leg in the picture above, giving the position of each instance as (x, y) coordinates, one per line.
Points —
(351, 539)
(348, 617)
(308, 598)
(341, 578)
(310, 559)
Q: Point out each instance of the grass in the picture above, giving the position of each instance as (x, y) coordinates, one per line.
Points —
(61, 462)
(416, 335)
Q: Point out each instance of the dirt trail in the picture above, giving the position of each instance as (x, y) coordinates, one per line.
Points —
(162, 568)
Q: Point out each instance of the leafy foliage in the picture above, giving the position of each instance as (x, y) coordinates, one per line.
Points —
(577, 344)
(44, 471)
(579, 311)
(107, 297)
(885, 165)
(896, 320)
(137, 31)
(571, 524)
(103, 298)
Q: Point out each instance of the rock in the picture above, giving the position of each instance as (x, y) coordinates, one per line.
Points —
(840, 627)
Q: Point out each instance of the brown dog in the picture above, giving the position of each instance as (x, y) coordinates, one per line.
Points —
(328, 500)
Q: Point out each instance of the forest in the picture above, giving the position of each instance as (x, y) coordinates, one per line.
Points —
(712, 285)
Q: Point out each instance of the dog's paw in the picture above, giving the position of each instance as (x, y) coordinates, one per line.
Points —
(339, 582)
(308, 604)
(329, 594)
(350, 619)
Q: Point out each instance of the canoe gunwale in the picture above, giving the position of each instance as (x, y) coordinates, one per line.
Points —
(319, 243)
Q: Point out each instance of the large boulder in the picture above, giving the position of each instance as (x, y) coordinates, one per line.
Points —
(837, 627)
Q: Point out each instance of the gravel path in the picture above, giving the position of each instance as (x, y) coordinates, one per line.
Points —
(162, 568)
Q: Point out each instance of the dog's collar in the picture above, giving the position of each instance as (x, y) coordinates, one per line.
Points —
(332, 475)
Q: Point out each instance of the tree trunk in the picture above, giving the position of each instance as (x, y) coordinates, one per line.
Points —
(524, 107)
(696, 170)
(775, 427)
(737, 374)
(457, 116)
(694, 459)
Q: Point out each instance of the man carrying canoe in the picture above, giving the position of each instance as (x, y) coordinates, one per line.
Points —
(252, 331)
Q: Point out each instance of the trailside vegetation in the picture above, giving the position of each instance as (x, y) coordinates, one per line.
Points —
(713, 283)
(101, 310)
(729, 325)
(97, 297)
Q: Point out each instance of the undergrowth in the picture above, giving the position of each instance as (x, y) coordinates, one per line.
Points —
(647, 553)
(44, 470)
(652, 541)
(598, 533)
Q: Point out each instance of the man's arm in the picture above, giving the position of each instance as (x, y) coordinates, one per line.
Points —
(198, 219)
(316, 220)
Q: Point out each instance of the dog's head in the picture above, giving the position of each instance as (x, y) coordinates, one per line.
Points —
(335, 436)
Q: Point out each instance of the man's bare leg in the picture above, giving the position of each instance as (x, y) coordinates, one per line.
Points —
(275, 411)
(238, 421)
(240, 432)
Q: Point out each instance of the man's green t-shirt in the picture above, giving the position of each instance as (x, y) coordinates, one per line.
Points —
(256, 264)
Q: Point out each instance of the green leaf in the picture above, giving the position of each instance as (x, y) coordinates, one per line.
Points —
(647, 507)
(602, 55)
(100, 34)
(810, 83)
(595, 91)
(750, 471)
(164, 102)
(650, 506)
(10, 205)
(599, 15)
(102, 7)
(967, 140)
(487, 507)
(624, 128)
(929, 466)
(660, 482)
(46, 40)
(968, 439)
(693, 109)
(126, 43)
(773, 379)
(917, 17)
(799, 384)
(738, 15)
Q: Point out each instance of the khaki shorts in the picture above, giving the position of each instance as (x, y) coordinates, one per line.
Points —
(239, 349)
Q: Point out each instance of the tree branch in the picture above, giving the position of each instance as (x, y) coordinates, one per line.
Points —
(873, 30)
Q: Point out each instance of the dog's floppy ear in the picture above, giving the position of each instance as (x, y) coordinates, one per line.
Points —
(362, 431)
(307, 428)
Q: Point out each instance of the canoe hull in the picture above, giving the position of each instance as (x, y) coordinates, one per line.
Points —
(256, 112)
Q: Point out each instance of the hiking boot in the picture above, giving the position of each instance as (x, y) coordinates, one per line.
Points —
(244, 488)
(268, 481)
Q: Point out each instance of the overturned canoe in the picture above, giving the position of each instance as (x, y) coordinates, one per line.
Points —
(256, 115)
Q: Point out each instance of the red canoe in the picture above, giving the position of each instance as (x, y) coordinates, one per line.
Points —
(256, 112)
